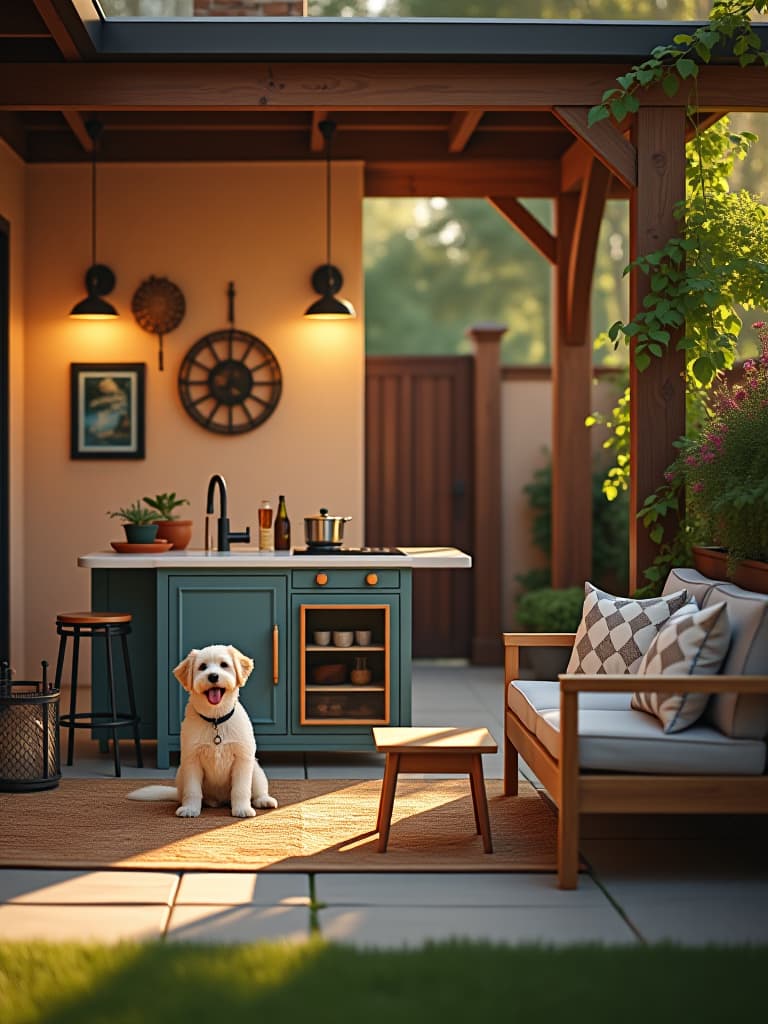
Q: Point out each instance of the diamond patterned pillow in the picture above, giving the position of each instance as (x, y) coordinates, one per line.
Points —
(615, 632)
(688, 645)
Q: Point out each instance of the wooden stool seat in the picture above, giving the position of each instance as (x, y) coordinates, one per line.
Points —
(434, 749)
(92, 618)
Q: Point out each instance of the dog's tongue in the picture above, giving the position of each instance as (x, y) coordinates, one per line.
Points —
(215, 694)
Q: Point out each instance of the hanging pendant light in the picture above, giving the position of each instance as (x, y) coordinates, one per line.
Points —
(327, 279)
(99, 279)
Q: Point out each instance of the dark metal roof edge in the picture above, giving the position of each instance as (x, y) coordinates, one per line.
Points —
(388, 38)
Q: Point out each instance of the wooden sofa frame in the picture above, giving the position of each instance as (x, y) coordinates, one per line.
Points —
(577, 793)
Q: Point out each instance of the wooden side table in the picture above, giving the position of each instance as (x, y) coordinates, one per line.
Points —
(434, 749)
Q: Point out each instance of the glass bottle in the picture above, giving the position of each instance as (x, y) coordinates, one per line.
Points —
(266, 541)
(282, 527)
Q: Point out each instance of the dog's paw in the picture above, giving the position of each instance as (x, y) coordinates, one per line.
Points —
(246, 811)
(185, 811)
(265, 801)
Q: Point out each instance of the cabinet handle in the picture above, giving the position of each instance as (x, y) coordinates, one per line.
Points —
(275, 654)
(321, 579)
(371, 579)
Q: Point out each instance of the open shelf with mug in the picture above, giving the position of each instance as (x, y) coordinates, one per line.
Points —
(344, 661)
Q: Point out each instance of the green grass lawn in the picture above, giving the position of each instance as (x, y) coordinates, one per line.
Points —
(318, 983)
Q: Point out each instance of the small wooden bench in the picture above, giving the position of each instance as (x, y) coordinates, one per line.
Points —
(434, 749)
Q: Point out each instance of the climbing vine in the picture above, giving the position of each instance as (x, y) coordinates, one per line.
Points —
(718, 262)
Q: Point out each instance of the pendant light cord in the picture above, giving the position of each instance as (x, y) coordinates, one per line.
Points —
(327, 128)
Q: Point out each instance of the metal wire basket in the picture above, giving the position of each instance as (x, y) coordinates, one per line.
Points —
(29, 733)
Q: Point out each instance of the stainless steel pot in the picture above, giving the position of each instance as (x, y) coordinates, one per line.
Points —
(324, 530)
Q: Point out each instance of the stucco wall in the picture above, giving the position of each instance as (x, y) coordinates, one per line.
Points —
(12, 208)
(261, 226)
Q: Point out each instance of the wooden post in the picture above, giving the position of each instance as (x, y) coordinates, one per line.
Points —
(571, 404)
(487, 555)
(657, 411)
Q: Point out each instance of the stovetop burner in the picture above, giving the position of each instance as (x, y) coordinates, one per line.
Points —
(321, 550)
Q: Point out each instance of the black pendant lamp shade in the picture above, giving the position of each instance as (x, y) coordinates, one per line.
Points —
(327, 279)
(99, 279)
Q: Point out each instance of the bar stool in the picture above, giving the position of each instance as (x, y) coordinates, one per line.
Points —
(106, 626)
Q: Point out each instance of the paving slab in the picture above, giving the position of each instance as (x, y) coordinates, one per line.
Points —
(267, 889)
(104, 924)
(411, 927)
(48, 886)
(454, 890)
(239, 924)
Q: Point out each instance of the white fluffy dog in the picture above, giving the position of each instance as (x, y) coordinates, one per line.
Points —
(218, 762)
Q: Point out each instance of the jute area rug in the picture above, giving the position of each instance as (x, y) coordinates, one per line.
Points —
(320, 825)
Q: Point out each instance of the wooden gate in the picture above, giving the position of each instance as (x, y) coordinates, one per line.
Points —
(418, 484)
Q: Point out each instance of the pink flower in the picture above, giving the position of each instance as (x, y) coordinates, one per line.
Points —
(749, 366)
(690, 460)
(708, 457)
(758, 324)
(697, 487)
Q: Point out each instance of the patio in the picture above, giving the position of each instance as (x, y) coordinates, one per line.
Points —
(693, 881)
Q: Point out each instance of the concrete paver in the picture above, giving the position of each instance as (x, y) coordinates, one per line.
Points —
(48, 886)
(239, 924)
(267, 889)
(396, 927)
(66, 922)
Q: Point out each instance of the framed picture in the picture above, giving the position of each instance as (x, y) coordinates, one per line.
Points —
(107, 410)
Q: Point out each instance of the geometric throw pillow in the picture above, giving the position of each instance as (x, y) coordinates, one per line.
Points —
(688, 645)
(615, 632)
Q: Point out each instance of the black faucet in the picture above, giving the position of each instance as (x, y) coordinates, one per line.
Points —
(225, 535)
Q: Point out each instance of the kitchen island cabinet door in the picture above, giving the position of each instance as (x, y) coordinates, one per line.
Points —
(238, 610)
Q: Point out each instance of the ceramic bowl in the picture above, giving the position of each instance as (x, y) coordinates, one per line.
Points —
(343, 637)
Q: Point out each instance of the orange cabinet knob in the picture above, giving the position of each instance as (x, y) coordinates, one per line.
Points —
(371, 579)
(321, 579)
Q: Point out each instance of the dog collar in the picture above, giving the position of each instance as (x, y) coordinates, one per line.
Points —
(216, 722)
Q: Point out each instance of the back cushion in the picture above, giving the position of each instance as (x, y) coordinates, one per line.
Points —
(698, 586)
(743, 716)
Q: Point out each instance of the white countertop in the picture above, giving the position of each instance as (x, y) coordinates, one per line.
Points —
(243, 557)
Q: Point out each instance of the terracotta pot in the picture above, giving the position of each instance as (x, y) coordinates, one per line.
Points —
(177, 531)
(713, 562)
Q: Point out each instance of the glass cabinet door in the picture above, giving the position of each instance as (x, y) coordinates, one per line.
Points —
(344, 664)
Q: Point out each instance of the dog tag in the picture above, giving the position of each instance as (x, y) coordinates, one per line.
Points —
(217, 739)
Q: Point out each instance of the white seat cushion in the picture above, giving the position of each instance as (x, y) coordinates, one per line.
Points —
(526, 697)
(631, 741)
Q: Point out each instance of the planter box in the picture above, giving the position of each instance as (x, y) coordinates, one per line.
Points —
(713, 562)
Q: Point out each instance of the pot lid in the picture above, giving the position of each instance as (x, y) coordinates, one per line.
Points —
(324, 516)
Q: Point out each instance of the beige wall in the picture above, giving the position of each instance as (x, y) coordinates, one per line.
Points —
(12, 207)
(201, 225)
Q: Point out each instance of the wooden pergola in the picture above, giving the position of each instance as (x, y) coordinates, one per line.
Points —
(454, 108)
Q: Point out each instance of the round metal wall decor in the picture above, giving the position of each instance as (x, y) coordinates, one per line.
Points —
(158, 306)
(230, 382)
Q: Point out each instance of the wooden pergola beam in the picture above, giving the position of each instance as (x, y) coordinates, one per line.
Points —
(657, 409)
(534, 178)
(604, 141)
(316, 140)
(529, 227)
(581, 262)
(66, 28)
(350, 86)
(461, 129)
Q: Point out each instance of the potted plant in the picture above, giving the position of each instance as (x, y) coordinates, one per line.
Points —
(169, 526)
(725, 472)
(139, 523)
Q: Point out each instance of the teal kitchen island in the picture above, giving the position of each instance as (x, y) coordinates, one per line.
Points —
(271, 605)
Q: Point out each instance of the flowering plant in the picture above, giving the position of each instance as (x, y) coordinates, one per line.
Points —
(726, 466)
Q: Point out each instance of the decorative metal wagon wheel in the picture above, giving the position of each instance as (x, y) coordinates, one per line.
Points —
(29, 733)
(230, 381)
(159, 307)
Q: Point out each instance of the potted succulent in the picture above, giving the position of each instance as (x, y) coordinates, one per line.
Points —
(139, 523)
(169, 526)
(725, 471)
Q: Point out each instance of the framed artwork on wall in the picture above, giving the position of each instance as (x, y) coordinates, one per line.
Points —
(107, 411)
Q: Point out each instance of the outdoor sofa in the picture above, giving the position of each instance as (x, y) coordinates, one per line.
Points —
(594, 753)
